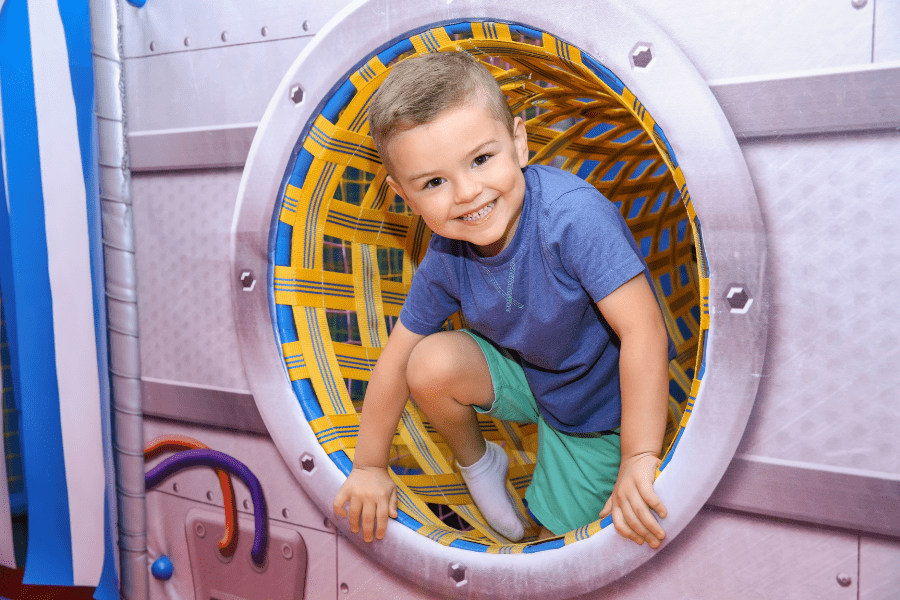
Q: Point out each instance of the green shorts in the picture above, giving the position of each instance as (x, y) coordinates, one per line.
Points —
(573, 476)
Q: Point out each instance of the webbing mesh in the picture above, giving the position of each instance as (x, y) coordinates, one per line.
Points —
(346, 249)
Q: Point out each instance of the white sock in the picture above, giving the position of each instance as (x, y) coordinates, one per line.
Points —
(487, 484)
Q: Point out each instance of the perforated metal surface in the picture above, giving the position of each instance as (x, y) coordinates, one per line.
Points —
(182, 224)
(828, 394)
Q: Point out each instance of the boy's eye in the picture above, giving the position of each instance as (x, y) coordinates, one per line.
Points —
(481, 159)
(433, 182)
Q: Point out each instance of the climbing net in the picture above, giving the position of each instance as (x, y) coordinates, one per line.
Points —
(346, 248)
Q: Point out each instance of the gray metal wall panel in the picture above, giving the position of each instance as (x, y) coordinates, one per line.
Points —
(182, 229)
(828, 391)
(741, 39)
(173, 26)
(879, 569)
(208, 88)
(886, 44)
(723, 555)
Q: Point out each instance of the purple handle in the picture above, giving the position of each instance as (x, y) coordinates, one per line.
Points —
(220, 460)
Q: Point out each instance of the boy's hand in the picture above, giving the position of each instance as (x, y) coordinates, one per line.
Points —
(632, 499)
(372, 495)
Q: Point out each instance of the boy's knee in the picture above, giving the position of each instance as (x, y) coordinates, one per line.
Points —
(430, 364)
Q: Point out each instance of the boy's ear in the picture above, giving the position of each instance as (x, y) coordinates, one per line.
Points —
(399, 191)
(520, 139)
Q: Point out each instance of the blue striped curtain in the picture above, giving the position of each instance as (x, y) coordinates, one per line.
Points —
(51, 278)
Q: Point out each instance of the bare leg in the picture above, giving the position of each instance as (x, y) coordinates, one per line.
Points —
(447, 374)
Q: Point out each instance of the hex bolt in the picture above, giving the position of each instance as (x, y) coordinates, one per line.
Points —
(248, 282)
(308, 463)
(859, 3)
(305, 25)
(457, 573)
(844, 580)
(296, 94)
(641, 56)
(287, 551)
(738, 298)
(200, 530)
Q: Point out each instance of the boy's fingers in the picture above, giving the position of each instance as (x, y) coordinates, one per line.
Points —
(606, 508)
(393, 503)
(340, 505)
(368, 521)
(623, 528)
(353, 514)
(634, 522)
(381, 519)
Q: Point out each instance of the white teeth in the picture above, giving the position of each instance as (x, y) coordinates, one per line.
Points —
(479, 214)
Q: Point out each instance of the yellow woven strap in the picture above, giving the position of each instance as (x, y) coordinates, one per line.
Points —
(329, 142)
(314, 288)
(327, 380)
(369, 301)
(294, 361)
(355, 361)
(432, 40)
(350, 222)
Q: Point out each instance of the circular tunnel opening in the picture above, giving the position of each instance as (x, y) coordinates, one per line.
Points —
(345, 249)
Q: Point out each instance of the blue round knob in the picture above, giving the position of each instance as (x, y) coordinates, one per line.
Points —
(162, 568)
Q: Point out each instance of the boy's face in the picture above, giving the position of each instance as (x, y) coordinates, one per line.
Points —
(462, 173)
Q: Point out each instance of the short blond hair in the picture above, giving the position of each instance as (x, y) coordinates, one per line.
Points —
(418, 89)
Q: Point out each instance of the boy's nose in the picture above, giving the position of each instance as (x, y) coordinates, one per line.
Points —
(468, 189)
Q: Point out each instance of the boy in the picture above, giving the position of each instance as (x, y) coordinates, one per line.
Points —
(560, 311)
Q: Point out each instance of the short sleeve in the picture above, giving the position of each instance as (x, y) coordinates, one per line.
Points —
(586, 233)
(433, 295)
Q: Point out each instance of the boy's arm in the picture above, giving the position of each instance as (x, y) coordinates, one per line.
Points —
(633, 313)
(369, 489)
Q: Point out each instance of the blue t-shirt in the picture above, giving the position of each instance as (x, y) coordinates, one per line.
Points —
(538, 297)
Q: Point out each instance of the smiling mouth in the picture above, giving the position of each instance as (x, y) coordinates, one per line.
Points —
(478, 214)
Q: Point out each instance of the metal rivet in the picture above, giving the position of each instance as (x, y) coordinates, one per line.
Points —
(843, 579)
(246, 504)
(248, 282)
(738, 298)
(457, 573)
(264, 31)
(200, 530)
(859, 3)
(296, 94)
(224, 36)
(641, 56)
(187, 41)
(308, 464)
(345, 588)
(175, 487)
(287, 551)
(305, 25)
(326, 523)
(285, 513)
(152, 46)
(209, 496)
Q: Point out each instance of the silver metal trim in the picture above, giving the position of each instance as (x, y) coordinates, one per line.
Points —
(230, 409)
(725, 202)
(196, 148)
(854, 499)
(119, 265)
(864, 98)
